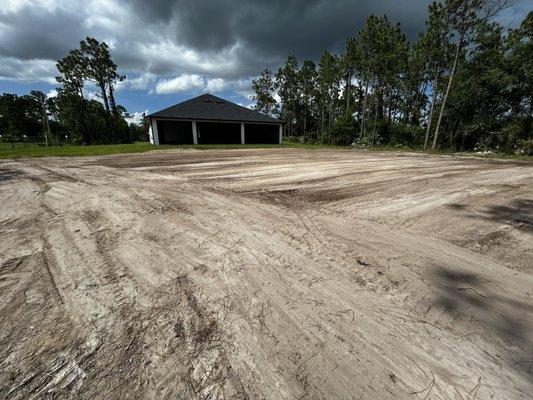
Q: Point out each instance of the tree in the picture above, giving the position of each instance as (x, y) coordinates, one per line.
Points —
(101, 69)
(72, 75)
(487, 108)
(518, 56)
(72, 72)
(287, 88)
(263, 95)
(463, 16)
(11, 117)
(328, 82)
(94, 54)
(349, 63)
(42, 101)
(434, 45)
(383, 52)
(306, 81)
(88, 121)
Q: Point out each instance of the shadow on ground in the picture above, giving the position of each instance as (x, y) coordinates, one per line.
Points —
(487, 311)
(518, 213)
(7, 174)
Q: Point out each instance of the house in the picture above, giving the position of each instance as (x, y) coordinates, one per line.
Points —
(210, 119)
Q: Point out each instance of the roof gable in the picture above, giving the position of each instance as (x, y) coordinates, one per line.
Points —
(209, 107)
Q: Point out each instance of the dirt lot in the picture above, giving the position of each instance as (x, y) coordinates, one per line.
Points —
(266, 274)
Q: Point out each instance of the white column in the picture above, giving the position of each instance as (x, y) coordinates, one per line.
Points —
(280, 133)
(150, 133)
(242, 132)
(154, 135)
(194, 133)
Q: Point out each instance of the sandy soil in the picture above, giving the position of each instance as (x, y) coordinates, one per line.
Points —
(266, 274)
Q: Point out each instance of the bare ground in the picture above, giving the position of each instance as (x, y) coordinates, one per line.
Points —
(266, 274)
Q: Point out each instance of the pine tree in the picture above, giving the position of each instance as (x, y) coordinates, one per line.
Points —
(328, 82)
(306, 81)
(287, 88)
(263, 96)
(463, 15)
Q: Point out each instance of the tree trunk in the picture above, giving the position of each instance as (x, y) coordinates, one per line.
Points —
(450, 79)
(305, 122)
(112, 97)
(376, 101)
(389, 111)
(348, 85)
(329, 118)
(381, 104)
(109, 122)
(322, 118)
(463, 139)
(364, 111)
(104, 96)
(291, 132)
(413, 108)
(451, 139)
(88, 134)
(47, 133)
(431, 109)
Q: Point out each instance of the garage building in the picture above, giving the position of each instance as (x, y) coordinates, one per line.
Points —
(208, 119)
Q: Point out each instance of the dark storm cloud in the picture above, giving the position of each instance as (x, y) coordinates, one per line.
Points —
(277, 28)
(162, 40)
(36, 33)
(246, 36)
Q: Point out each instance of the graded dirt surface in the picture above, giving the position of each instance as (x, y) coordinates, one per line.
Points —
(266, 274)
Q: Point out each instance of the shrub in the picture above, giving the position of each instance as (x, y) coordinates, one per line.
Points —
(405, 134)
(364, 142)
(525, 147)
(312, 137)
(342, 133)
(511, 138)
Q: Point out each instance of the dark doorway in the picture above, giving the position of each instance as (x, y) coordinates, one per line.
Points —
(175, 132)
(261, 133)
(218, 133)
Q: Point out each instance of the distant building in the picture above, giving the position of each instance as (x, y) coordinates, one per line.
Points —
(208, 119)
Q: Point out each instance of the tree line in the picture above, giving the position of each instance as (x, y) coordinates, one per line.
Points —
(465, 83)
(73, 116)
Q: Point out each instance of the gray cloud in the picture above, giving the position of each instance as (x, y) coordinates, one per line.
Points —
(27, 70)
(273, 29)
(224, 39)
(37, 33)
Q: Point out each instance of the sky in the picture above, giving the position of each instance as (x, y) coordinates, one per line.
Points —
(172, 50)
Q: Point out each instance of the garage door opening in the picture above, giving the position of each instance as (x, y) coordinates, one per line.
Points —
(175, 132)
(218, 133)
(261, 133)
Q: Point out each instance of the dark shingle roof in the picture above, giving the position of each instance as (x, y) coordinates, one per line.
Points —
(209, 107)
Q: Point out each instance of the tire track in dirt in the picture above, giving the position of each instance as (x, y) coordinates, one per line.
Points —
(218, 275)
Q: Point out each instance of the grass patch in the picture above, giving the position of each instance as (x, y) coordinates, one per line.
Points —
(27, 150)
(449, 152)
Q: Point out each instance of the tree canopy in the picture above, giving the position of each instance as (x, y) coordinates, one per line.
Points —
(465, 83)
(72, 116)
